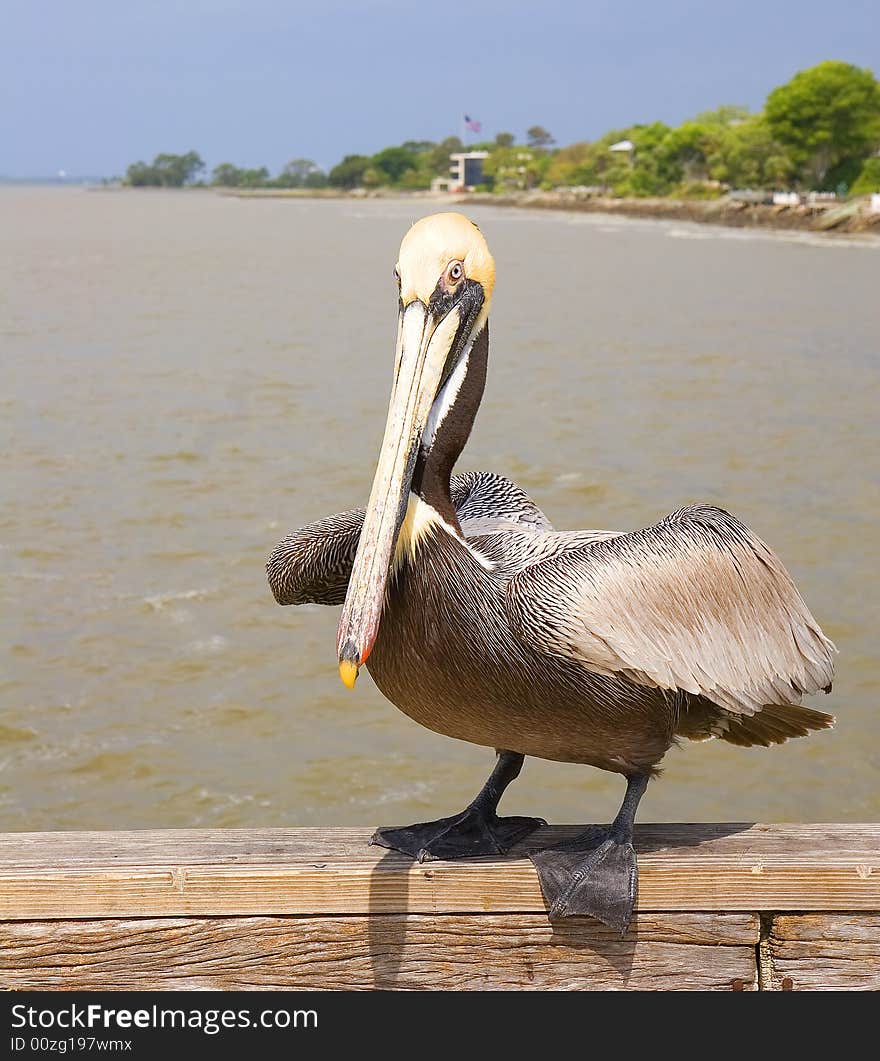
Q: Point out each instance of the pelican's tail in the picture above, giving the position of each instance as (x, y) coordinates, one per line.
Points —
(773, 724)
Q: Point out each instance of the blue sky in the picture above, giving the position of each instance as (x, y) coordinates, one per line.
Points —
(91, 85)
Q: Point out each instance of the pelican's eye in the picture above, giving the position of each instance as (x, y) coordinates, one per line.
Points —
(450, 289)
(397, 275)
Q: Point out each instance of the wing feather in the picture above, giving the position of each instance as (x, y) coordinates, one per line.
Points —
(487, 503)
(696, 602)
(312, 565)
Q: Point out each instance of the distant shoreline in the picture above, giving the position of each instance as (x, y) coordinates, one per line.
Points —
(838, 217)
(847, 217)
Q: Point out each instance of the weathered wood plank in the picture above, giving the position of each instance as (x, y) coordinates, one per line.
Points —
(512, 952)
(228, 846)
(825, 952)
(332, 872)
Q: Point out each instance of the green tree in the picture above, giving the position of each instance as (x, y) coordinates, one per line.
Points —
(418, 147)
(726, 114)
(438, 159)
(538, 136)
(648, 170)
(416, 179)
(176, 170)
(255, 178)
(226, 175)
(299, 173)
(141, 174)
(166, 171)
(591, 164)
(868, 179)
(824, 116)
(373, 177)
(393, 162)
(515, 168)
(572, 165)
(685, 151)
(505, 140)
(349, 173)
(747, 156)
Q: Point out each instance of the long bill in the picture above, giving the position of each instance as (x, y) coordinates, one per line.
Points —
(423, 350)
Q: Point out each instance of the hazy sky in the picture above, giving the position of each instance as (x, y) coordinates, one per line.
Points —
(91, 85)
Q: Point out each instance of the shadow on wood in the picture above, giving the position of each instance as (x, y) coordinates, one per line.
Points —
(387, 936)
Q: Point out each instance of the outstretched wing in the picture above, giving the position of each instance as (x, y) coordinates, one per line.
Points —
(697, 602)
(313, 564)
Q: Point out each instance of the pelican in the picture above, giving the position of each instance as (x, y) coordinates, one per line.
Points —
(480, 621)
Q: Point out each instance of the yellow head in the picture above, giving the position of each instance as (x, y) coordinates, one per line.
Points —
(439, 254)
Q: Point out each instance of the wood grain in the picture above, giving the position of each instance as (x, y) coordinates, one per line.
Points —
(512, 952)
(328, 872)
(830, 952)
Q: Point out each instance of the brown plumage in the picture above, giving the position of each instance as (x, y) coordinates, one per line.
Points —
(589, 647)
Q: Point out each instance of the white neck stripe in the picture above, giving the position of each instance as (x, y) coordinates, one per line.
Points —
(420, 517)
(449, 391)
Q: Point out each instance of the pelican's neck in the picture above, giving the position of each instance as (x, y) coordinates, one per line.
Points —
(448, 429)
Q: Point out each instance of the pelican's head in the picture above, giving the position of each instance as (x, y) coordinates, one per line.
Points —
(444, 259)
(446, 276)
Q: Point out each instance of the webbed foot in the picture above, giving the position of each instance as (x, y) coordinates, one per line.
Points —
(466, 835)
(596, 873)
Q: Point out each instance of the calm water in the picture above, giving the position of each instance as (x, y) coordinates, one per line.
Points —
(186, 377)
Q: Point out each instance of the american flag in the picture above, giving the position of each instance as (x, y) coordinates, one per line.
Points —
(472, 124)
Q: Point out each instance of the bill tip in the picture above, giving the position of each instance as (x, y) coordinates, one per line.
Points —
(348, 672)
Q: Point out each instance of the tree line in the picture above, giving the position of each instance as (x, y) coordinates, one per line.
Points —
(819, 131)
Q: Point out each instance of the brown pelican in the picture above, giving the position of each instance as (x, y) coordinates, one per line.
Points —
(480, 621)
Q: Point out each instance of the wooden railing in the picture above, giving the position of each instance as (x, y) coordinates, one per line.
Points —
(729, 907)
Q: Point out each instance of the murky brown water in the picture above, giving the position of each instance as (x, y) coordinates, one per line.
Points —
(186, 377)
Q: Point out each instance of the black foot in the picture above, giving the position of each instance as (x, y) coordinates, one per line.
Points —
(595, 874)
(464, 835)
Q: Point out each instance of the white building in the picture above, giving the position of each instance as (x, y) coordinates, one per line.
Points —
(465, 172)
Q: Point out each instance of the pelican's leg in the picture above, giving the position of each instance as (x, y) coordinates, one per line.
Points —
(476, 831)
(596, 873)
